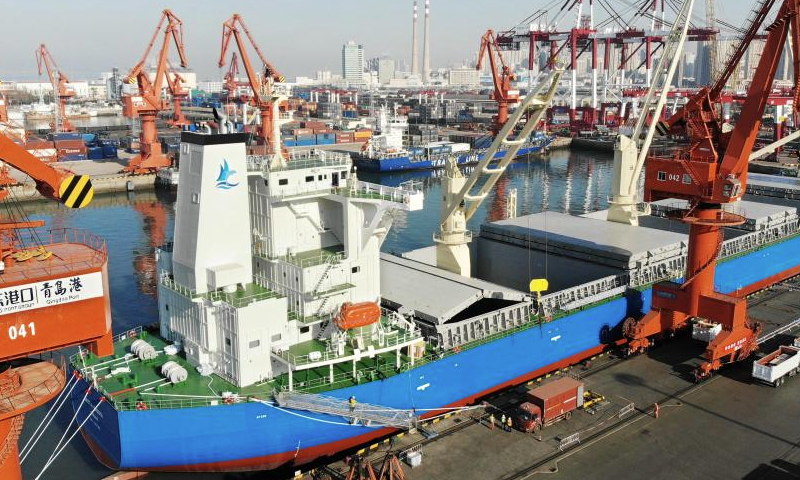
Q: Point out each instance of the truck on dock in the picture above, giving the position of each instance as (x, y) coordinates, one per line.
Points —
(775, 367)
(549, 403)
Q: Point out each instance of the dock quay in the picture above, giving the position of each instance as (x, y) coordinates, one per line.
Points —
(748, 433)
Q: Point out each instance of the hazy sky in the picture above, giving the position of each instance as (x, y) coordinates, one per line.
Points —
(298, 36)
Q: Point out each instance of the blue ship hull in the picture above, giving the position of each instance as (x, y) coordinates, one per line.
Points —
(397, 164)
(253, 435)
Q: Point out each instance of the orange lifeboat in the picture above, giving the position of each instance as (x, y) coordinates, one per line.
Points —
(354, 315)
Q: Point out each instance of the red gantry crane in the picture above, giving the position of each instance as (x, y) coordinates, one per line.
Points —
(150, 100)
(260, 83)
(502, 79)
(53, 295)
(179, 94)
(61, 90)
(711, 173)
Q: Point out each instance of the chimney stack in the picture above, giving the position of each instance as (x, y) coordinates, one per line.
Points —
(414, 47)
(426, 49)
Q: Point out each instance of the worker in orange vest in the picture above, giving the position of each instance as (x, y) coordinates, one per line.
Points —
(655, 409)
(510, 424)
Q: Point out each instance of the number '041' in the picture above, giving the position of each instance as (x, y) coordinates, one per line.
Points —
(21, 331)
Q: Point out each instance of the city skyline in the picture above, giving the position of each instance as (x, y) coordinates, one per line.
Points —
(306, 35)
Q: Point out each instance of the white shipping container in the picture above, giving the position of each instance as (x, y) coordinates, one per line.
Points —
(459, 147)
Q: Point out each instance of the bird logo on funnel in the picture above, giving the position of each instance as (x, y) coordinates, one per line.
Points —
(226, 179)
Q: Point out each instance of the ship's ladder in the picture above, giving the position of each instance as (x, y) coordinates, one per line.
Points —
(360, 413)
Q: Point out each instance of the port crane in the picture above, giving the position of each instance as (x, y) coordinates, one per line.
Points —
(261, 83)
(54, 295)
(61, 89)
(630, 151)
(175, 83)
(711, 174)
(501, 78)
(150, 100)
(459, 205)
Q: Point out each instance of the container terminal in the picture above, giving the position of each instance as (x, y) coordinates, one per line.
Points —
(301, 342)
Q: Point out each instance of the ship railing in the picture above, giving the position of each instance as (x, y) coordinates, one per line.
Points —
(35, 238)
(49, 385)
(313, 261)
(156, 402)
(376, 191)
(400, 338)
(215, 296)
(299, 160)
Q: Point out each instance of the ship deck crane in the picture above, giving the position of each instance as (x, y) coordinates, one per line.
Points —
(631, 150)
(459, 205)
(54, 296)
(501, 78)
(179, 94)
(261, 83)
(61, 89)
(150, 101)
(711, 173)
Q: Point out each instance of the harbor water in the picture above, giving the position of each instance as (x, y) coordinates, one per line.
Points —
(134, 224)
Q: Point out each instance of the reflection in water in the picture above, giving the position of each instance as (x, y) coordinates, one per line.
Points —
(154, 221)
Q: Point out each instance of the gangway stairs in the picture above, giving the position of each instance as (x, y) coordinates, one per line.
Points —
(363, 413)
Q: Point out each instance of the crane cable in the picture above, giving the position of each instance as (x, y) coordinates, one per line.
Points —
(58, 452)
(54, 409)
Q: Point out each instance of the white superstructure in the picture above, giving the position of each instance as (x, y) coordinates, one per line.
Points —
(265, 255)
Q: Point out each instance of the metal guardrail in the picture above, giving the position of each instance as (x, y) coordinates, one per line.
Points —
(626, 410)
(299, 160)
(51, 384)
(327, 355)
(229, 298)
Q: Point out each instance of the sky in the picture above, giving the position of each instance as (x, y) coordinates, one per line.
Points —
(299, 37)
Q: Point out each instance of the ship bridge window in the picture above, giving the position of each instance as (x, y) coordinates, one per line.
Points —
(283, 181)
(344, 175)
(662, 176)
(355, 269)
(304, 329)
(310, 178)
(255, 343)
(276, 338)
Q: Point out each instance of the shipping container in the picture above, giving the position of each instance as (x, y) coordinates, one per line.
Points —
(66, 136)
(326, 141)
(72, 157)
(309, 142)
(89, 138)
(94, 153)
(109, 151)
(289, 142)
(302, 131)
(549, 403)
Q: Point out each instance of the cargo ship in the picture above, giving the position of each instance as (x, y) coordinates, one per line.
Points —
(269, 321)
(386, 151)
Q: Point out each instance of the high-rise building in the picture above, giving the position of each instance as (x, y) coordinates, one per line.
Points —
(464, 77)
(386, 70)
(353, 62)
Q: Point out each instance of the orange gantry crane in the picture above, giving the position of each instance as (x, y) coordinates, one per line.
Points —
(501, 78)
(179, 94)
(261, 83)
(150, 100)
(53, 294)
(61, 90)
(711, 173)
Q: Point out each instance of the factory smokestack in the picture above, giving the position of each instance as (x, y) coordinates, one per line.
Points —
(414, 47)
(426, 49)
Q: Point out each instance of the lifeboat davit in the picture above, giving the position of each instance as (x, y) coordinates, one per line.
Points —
(354, 315)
